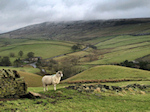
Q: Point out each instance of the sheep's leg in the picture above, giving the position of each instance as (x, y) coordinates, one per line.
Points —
(55, 87)
(46, 87)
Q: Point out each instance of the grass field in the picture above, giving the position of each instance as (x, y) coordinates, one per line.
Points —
(121, 48)
(122, 41)
(115, 49)
(32, 80)
(120, 56)
(41, 48)
(110, 72)
(66, 100)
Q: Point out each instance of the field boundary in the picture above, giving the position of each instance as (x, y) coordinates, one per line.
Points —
(101, 81)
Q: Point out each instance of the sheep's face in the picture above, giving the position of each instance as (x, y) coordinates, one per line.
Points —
(60, 73)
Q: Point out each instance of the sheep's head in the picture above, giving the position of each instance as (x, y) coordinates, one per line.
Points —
(59, 73)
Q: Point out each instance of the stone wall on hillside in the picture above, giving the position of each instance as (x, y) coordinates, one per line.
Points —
(11, 84)
(105, 88)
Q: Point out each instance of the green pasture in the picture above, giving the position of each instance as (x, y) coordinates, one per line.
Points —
(132, 46)
(23, 69)
(32, 80)
(122, 55)
(79, 54)
(110, 72)
(121, 48)
(67, 100)
(97, 40)
(120, 41)
(8, 41)
(115, 49)
(41, 48)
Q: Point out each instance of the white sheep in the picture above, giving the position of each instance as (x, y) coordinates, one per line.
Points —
(52, 79)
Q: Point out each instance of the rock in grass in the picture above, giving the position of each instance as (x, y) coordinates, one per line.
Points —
(97, 90)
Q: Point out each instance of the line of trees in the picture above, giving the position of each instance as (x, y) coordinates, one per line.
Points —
(20, 54)
(5, 61)
(140, 65)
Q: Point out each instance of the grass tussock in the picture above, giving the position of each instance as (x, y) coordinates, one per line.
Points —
(142, 92)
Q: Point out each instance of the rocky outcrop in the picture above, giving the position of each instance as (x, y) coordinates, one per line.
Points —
(11, 84)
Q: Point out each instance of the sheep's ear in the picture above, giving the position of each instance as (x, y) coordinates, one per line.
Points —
(57, 72)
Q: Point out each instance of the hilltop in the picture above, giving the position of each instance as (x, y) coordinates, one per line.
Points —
(82, 30)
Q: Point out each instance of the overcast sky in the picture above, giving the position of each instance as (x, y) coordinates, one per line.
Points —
(19, 13)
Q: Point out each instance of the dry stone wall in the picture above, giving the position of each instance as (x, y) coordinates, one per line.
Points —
(104, 88)
(11, 84)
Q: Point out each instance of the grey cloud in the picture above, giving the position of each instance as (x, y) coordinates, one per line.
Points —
(18, 13)
(121, 5)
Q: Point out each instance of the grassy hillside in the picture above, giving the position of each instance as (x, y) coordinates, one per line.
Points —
(67, 100)
(124, 41)
(32, 80)
(119, 48)
(115, 49)
(82, 30)
(110, 72)
(116, 40)
(41, 48)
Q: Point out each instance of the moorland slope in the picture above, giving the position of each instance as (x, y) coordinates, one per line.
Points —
(82, 30)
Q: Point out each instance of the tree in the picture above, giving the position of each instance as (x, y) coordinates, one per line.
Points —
(78, 46)
(143, 65)
(73, 60)
(30, 55)
(74, 47)
(92, 46)
(18, 62)
(20, 53)
(5, 61)
(12, 54)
